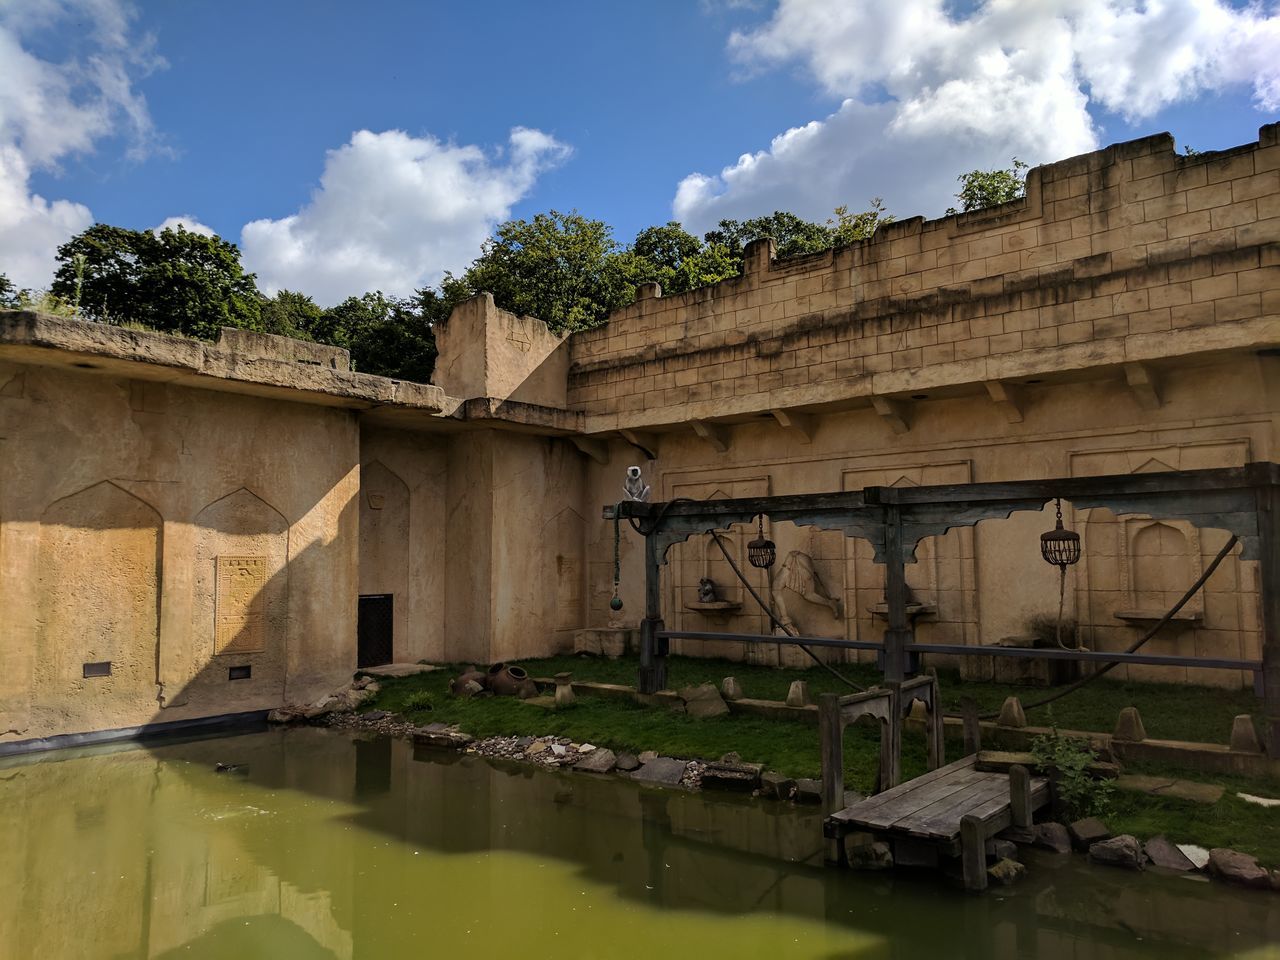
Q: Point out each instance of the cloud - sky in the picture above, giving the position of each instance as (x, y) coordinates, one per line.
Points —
(346, 160)
(1009, 78)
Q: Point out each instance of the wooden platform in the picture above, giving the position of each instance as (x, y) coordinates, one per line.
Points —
(933, 809)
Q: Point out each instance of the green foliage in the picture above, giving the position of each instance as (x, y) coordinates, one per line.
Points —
(9, 293)
(795, 237)
(387, 336)
(980, 189)
(290, 314)
(178, 281)
(417, 701)
(1068, 760)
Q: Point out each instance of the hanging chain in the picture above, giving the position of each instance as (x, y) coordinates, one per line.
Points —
(616, 602)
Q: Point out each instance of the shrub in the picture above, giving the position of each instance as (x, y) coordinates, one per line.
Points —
(1067, 761)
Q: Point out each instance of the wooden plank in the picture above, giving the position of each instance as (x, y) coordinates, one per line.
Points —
(973, 853)
(1039, 797)
(888, 814)
(942, 818)
(888, 796)
(1020, 795)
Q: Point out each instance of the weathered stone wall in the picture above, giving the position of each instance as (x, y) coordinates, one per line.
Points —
(1123, 317)
(174, 532)
(1129, 254)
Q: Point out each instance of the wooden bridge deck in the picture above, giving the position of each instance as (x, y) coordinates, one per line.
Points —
(931, 809)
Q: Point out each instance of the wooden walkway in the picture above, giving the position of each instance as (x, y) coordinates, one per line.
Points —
(954, 810)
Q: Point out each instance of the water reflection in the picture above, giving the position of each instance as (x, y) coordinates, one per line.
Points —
(325, 845)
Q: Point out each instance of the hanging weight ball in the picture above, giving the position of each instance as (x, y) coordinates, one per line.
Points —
(615, 603)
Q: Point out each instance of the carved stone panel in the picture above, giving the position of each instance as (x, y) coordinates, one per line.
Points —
(240, 605)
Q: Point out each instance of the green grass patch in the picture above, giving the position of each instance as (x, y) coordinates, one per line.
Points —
(1231, 822)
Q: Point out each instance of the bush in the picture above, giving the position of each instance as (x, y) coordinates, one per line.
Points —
(418, 700)
(1067, 760)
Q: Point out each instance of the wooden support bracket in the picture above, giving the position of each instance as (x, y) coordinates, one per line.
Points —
(597, 450)
(1009, 398)
(646, 443)
(897, 413)
(799, 425)
(1142, 381)
(713, 433)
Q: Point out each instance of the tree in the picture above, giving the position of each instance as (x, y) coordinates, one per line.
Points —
(990, 188)
(177, 281)
(10, 296)
(387, 336)
(563, 268)
(290, 314)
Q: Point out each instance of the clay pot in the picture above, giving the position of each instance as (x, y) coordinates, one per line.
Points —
(505, 680)
(470, 676)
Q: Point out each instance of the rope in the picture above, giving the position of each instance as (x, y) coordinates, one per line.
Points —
(1107, 668)
(778, 624)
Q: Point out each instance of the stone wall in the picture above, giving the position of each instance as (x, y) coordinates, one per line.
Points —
(173, 533)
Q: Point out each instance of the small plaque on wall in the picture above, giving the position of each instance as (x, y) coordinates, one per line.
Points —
(240, 605)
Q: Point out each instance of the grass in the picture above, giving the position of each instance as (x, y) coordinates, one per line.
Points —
(791, 748)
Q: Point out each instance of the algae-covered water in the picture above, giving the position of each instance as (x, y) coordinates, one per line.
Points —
(327, 845)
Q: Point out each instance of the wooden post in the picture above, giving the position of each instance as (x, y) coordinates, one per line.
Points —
(937, 736)
(1268, 501)
(973, 853)
(898, 632)
(653, 649)
(1020, 795)
(972, 726)
(831, 733)
(891, 739)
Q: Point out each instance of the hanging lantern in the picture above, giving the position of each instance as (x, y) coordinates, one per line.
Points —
(1060, 547)
(761, 552)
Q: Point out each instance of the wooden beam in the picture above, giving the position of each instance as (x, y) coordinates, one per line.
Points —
(646, 443)
(1142, 381)
(713, 433)
(597, 450)
(896, 413)
(799, 425)
(1009, 398)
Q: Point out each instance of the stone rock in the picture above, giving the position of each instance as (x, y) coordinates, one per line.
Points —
(647, 755)
(703, 701)
(1207, 793)
(442, 739)
(284, 715)
(1121, 851)
(807, 790)
(1011, 713)
(559, 749)
(1053, 836)
(731, 689)
(1129, 726)
(527, 689)
(1006, 871)
(798, 694)
(469, 689)
(376, 715)
(775, 786)
(1236, 867)
(870, 856)
(1199, 856)
(733, 756)
(626, 762)
(586, 747)
(731, 775)
(1085, 833)
(1164, 854)
(1244, 735)
(597, 761)
(662, 770)
(1002, 849)
(535, 748)
(372, 688)
(361, 682)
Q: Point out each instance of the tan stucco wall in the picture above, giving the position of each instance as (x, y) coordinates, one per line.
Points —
(117, 499)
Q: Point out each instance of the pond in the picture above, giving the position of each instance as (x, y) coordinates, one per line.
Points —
(325, 844)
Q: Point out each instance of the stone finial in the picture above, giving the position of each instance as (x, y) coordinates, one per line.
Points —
(1011, 713)
(731, 689)
(564, 690)
(1129, 726)
(1244, 735)
(648, 291)
(798, 694)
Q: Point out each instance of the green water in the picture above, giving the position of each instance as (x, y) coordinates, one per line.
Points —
(328, 846)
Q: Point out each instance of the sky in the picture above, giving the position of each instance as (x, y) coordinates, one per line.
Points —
(348, 147)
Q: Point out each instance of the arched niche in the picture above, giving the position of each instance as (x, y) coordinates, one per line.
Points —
(240, 597)
(385, 522)
(98, 599)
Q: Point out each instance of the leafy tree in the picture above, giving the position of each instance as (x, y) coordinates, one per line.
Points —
(387, 336)
(9, 294)
(563, 268)
(990, 188)
(792, 235)
(848, 227)
(290, 314)
(177, 281)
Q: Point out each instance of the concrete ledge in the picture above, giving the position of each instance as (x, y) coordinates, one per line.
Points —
(220, 724)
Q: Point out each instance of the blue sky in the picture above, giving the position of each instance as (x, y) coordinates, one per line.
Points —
(371, 145)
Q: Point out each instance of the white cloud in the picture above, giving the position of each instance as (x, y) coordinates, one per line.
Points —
(49, 111)
(928, 94)
(187, 223)
(393, 212)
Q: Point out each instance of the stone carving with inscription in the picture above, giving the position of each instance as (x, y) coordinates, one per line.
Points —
(239, 605)
(799, 576)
